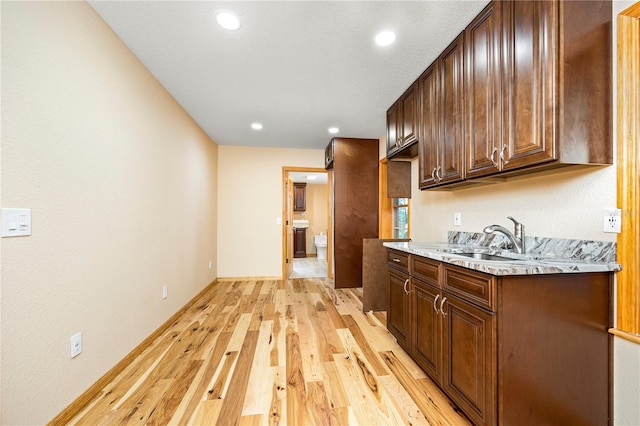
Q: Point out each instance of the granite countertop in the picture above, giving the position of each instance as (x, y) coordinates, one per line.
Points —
(543, 256)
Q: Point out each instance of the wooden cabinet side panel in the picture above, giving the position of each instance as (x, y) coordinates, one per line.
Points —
(530, 56)
(555, 349)
(355, 205)
(586, 128)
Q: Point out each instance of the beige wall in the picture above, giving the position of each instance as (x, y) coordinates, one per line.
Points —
(565, 204)
(249, 202)
(316, 213)
(122, 186)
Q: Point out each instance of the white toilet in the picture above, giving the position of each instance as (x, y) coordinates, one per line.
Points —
(321, 246)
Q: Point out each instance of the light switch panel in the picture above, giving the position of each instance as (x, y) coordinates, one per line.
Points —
(16, 222)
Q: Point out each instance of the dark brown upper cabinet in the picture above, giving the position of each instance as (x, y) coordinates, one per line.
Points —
(482, 92)
(538, 86)
(441, 141)
(299, 197)
(402, 125)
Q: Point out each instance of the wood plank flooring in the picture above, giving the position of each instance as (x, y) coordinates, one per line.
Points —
(292, 352)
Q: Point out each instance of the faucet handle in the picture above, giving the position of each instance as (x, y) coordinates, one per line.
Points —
(519, 227)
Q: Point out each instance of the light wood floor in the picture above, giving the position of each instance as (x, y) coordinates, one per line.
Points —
(290, 352)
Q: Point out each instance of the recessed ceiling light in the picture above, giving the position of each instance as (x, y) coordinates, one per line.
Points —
(333, 130)
(256, 126)
(312, 177)
(385, 38)
(228, 20)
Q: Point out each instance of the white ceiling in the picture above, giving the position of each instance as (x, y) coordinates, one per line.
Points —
(297, 67)
(310, 177)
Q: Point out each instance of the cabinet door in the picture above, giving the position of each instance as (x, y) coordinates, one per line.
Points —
(427, 329)
(530, 52)
(394, 134)
(299, 242)
(428, 139)
(299, 197)
(450, 113)
(398, 313)
(482, 92)
(409, 116)
(470, 358)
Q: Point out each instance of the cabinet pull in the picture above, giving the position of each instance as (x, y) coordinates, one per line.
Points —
(444, 299)
(438, 175)
(504, 162)
(435, 301)
(405, 286)
(493, 155)
(396, 260)
(433, 172)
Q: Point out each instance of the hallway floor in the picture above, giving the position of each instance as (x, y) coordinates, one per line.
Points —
(309, 267)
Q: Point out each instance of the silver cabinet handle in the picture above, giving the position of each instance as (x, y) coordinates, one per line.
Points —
(444, 299)
(405, 286)
(504, 162)
(435, 301)
(433, 172)
(396, 260)
(438, 174)
(493, 155)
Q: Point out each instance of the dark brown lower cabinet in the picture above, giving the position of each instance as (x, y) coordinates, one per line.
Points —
(427, 329)
(469, 370)
(398, 313)
(507, 350)
(299, 242)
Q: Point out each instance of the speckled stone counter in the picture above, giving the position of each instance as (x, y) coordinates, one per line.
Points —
(543, 255)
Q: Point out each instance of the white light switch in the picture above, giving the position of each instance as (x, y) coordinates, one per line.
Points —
(16, 222)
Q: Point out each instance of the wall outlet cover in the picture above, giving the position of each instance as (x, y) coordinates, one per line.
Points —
(457, 219)
(76, 345)
(612, 220)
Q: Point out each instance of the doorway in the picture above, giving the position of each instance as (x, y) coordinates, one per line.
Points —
(303, 220)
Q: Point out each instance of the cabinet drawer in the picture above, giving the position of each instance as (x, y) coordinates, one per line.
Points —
(398, 260)
(426, 270)
(474, 287)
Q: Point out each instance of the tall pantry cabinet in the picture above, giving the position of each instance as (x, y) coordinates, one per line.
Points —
(355, 204)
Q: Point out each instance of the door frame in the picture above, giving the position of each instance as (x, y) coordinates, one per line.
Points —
(628, 185)
(285, 214)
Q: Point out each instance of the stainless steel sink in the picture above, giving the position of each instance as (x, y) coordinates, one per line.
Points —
(486, 256)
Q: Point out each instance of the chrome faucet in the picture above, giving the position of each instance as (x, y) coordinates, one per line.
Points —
(517, 240)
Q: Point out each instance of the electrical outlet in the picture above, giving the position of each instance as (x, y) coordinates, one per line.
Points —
(612, 220)
(209, 264)
(457, 219)
(165, 291)
(76, 345)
